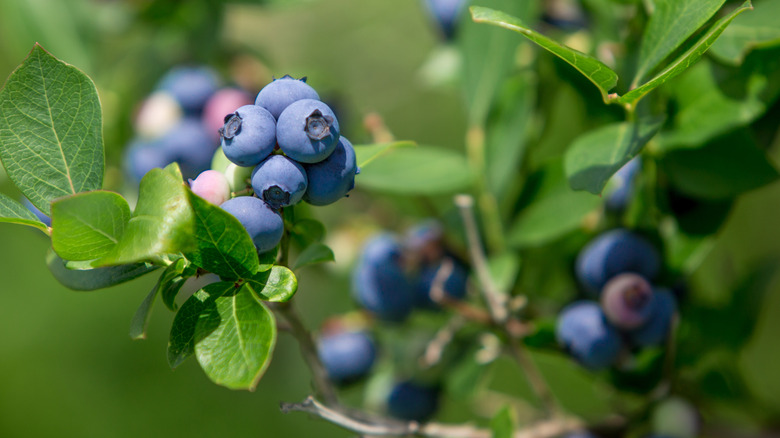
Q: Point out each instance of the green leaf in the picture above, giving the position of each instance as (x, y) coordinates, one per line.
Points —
(141, 316)
(684, 61)
(51, 140)
(725, 168)
(424, 170)
(88, 225)
(162, 223)
(224, 247)
(235, 342)
(15, 213)
(93, 278)
(172, 280)
(504, 269)
(488, 57)
(757, 30)
(365, 154)
(314, 253)
(307, 231)
(201, 305)
(503, 424)
(672, 22)
(596, 71)
(596, 156)
(277, 285)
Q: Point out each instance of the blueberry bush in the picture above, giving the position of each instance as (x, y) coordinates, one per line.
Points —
(554, 262)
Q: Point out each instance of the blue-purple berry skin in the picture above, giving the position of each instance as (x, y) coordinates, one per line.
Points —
(413, 402)
(307, 131)
(142, 156)
(34, 210)
(659, 322)
(248, 136)
(280, 93)
(454, 284)
(446, 14)
(279, 181)
(615, 252)
(584, 332)
(263, 224)
(332, 178)
(190, 86)
(190, 145)
(624, 178)
(347, 356)
(379, 283)
(627, 300)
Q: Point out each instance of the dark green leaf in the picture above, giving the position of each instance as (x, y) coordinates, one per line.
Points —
(277, 285)
(97, 278)
(684, 61)
(503, 424)
(365, 154)
(314, 253)
(141, 316)
(172, 279)
(88, 225)
(224, 247)
(756, 30)
(596, 156)
(593, 69)
(162, 223)
(672, 22)
(424, 170)
(235, 342)
(51, 140)
(723, 169)
(307, 231)
(200, 306)
(15, 213)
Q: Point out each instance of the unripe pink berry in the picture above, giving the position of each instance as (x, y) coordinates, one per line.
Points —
(211, 186)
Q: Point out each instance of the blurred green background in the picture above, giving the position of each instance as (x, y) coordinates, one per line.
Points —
(67, 366)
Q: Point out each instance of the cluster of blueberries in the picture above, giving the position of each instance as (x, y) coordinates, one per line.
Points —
(616, 269)
(393, 276)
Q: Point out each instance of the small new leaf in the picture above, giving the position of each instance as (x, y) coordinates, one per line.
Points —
(277, 285)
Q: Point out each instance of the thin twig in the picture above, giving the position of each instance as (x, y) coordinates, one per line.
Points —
(378, 426)
(435, 349)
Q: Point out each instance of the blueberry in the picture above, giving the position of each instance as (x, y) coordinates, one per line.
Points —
(190, 86)
(627, 300)
(654, 331)
(454, 284)
(212, 186)
(264, 225)
(189, 144)
(446, 14)
(579, 434)
(307, 131)
(425, 241)
(279, 181)
(249, 135)
(347, 356)
(622, 184)
(223, 102)
(158, 114)
(584, 332)
(412, 401)
(378, 281)
(142, 156)
(332, 178)
(612, 253)
(280, 93)
(676, 418)
(39, 214)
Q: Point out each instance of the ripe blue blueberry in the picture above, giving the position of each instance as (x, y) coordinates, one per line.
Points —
(453, 285)
(412, 401)
(189, 144)
(280, 93)
(425, 241)
(332, 178)
(584, 332)
(347, 356)
(654, 331)
(612, 253)
(279, 181)
(378, 281)
(142, 156)
(190, 86)
(307, 131)
(224, 101)
(446, 14)
(249, 135)
(264, 225)
(627, 300)
(622, 184)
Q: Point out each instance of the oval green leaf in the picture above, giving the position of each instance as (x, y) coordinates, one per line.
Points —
(93, 279)
(51, 139)
(277, 285)
(313, 254)
(365, 154)
(15, 213)
(759, 29)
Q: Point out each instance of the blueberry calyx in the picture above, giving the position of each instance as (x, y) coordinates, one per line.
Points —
(318, 125)
(275, 196)
(636, 297)
(232, 126)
